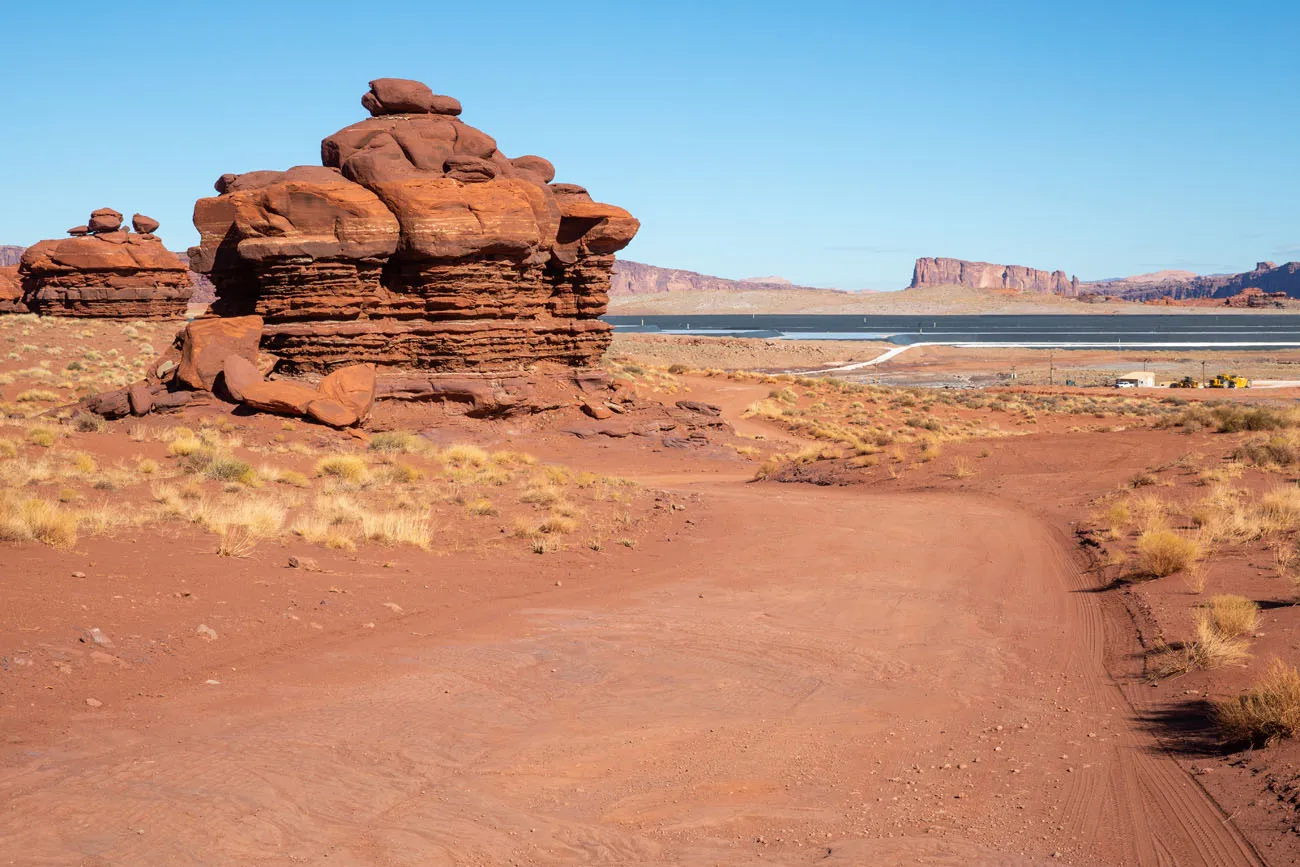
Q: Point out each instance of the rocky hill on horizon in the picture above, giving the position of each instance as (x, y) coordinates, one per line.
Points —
(10, 254)
(1171, 284)
(637, 278)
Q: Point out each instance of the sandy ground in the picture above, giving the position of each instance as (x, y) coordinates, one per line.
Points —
(870, 671)
(741, 353)
(935, 300)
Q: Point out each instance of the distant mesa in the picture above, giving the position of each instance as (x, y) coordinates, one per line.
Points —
(104, 270)
(986, 275)
(416, 244)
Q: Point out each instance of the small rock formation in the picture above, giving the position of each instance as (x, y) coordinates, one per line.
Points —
(986, 275)
(104, 270)
(11, 291)
(416, 245)
(1253, 297)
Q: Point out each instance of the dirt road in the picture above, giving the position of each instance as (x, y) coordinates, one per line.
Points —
(807, 675)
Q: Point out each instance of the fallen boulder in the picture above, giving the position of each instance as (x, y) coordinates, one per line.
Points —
(207, 343)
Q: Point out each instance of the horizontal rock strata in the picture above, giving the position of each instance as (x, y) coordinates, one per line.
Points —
(104, 270)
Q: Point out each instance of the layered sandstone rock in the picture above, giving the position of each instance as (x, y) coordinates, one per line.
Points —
(417, 244)
(105, 270)
(11, 292)
(986, 275)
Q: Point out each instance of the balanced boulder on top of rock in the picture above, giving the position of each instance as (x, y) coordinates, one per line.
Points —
(418, 244)
(104, 270)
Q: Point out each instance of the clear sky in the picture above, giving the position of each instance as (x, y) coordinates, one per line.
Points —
(830, 143)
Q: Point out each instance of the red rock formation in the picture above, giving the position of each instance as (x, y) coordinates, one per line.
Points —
(418, 244)
(11, 292)
(104, 270)
(986, 275)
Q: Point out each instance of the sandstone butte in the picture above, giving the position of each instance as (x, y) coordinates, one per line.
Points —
(986, 275)
(104, 270)
(417, 244)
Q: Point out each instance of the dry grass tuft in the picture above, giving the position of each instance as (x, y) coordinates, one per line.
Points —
(1164, 552)
(1210, 649)
(236, 541)
(1269, 710)
(26, 519)
(347, 468)
(1232, 616)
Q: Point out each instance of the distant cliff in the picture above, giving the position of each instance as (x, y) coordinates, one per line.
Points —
(1266, 276)
(986, 275)
(9, 255)
(634, 278)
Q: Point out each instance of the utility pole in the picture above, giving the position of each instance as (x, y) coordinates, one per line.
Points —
(1051, 367)
(1202, 373)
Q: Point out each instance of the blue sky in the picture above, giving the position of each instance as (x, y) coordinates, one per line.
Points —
(830, 143)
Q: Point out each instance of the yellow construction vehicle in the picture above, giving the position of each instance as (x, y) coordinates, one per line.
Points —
(1229, 380)
(1185, 382)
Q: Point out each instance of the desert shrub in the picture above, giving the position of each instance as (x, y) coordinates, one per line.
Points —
(41, 436)
(1269, 710)
(348, 468)
(1233, 419)
(1279, 509)
(1232, 616)
(392, 528)
(228, 469)
(87, 422)
(235, 541)
(184, 445)
(464, 456)
(1210, 649)
(1164, 552)
(36, 395)
(24, 519)
(392, 442)
(1222, 515)
(1277, 450)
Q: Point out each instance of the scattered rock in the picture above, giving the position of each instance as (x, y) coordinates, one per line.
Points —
(282, 397)
(331, 412)
(94, 702)
(600, 412)
(140, 399)
(205, 632)
(353, 387)
(307, 564)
